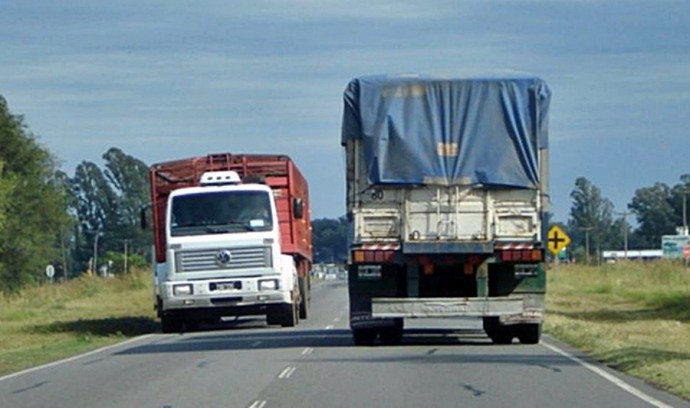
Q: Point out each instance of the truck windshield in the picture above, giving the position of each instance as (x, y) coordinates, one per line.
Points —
(221, 212)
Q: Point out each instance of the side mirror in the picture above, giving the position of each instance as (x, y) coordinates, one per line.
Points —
(298, 208)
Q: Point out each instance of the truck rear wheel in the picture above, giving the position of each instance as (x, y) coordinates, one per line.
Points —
(304, 304)
(364, 337)
(392, 336)
(498, 333)
(529, 333)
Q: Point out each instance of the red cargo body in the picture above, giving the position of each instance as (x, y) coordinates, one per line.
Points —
(277, 171)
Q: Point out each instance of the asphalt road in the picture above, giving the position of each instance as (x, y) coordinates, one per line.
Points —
(443, 363)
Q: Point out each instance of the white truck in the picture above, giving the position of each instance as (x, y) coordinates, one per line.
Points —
(447, 184)
(232, 237)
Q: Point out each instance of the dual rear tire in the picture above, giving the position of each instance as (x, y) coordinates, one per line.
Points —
(389, 335)
(527, 333)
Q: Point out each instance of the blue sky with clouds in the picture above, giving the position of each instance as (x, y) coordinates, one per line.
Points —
(170, 79)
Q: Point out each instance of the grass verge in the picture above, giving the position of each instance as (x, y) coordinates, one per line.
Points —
(47, 323)
(634, 317)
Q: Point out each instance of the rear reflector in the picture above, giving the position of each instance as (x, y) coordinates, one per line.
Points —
(524, 255)
(363, 256)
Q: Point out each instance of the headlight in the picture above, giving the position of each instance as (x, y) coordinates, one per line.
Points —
(271, 284)
(179, 290)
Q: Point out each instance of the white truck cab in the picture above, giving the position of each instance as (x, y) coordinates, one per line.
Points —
(223, 256)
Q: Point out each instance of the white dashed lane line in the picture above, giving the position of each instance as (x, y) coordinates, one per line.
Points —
(287, 372)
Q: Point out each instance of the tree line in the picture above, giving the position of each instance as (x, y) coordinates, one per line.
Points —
(595, 225)
(50, 218)
(88, 220)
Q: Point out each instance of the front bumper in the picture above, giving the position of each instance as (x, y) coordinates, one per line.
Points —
(206, 294)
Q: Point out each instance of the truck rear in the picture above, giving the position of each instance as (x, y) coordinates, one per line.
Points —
(447, 184)
(232, 237)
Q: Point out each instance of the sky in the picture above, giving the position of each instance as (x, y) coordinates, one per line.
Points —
(164, 80)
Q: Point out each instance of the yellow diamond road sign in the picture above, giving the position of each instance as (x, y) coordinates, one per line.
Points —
(557, 240)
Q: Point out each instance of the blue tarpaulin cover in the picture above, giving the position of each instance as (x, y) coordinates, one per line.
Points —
(437, 131)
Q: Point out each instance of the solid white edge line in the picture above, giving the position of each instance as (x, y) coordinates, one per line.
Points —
(609, 377)
(73, 358)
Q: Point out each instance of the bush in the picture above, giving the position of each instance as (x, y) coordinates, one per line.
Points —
(116, 262)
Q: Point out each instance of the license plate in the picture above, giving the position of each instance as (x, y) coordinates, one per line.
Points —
(226, 286)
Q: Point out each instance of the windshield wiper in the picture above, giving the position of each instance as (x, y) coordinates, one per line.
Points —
(228, 227)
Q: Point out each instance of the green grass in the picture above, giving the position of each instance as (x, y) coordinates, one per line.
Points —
(634, 317)
(50, 322)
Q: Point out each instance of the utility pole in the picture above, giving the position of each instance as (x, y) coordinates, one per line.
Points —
(625, 231)
(586, 230)
(125, 271)
(94, 268)
(685, 216)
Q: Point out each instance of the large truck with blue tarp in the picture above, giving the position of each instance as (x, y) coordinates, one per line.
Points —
(447, 196)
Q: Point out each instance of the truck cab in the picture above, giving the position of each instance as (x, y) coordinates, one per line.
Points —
(223, 256)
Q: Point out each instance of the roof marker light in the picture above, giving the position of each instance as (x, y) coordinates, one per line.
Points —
(220, 178)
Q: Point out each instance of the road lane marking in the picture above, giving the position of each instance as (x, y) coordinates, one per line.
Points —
(287, 372)
(609, 377)
(258, 404)
(307, 351)
(73, 358)
(257, 343)
(329, 327)
(336, 320)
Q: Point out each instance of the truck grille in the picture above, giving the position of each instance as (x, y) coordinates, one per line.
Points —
(223, 259)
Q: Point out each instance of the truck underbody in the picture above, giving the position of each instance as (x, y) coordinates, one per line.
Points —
(508, 296)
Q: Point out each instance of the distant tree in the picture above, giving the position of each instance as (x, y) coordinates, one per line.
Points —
(107, 205)
(329, 237)
(32, 203)
(681, 193)
(655, 214)
(129, 178)
(96, 209)
(591, 217)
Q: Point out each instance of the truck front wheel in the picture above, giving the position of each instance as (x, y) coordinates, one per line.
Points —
(286, 314)
(170, 323)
